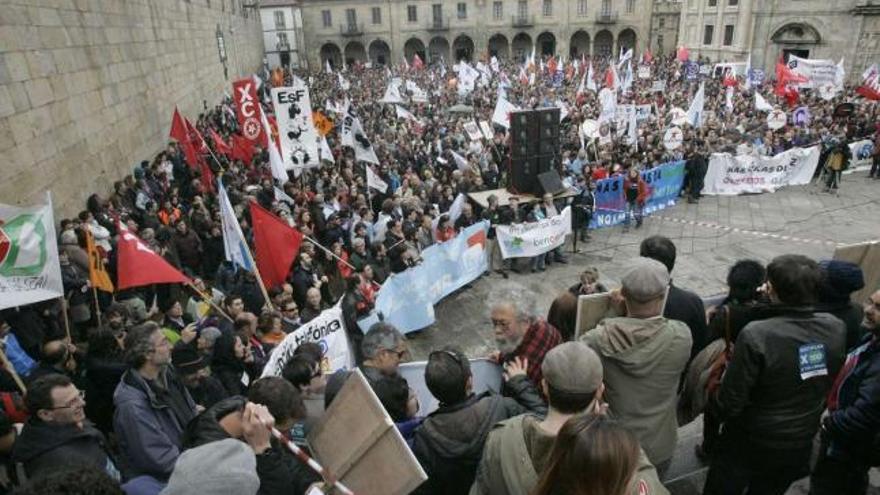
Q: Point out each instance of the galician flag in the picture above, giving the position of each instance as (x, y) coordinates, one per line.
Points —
(29, 269)
(233, 240)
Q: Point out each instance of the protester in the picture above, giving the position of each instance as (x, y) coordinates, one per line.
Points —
(839, 280)
(224, 467)
(383, 348)
(521, 335)
(105, 365)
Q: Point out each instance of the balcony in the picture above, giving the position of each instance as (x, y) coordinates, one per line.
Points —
(282, 46)
(606, 17)
(439, 24)
(349, 30)
(521, 21)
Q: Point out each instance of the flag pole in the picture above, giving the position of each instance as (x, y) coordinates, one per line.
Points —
(209, 300)
(97, 306)
(11, 369)
(66, 318)
(313, 241)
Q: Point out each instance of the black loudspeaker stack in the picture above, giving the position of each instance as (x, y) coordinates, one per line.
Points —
(534, 148)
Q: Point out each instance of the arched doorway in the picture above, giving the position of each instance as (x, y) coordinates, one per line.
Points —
(546, 44)
(355, 52)
(438, 49)
(331, 53)
(463, 48)
(603, 43)
(626, 40)
(380, 53)
(521, 47)
(579, 45)
(498, 47)
(412, 47)
(796, 38)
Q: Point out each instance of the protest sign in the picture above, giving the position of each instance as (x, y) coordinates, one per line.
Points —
(524, 240)
(357, 441)
(691, 71)
(817, 72)
(658, 86)
(801, 116)
(776, 119)
(728, 174)
(664, 183)
(643, 112)
(472, 130)
(486, 375)
(644, 72)
(677, 116)
(328, 330)
(590, 129)
(591, 309)
(862, 155)
(248, 110)
(293, 112)
(756, 77)
(486, 129)
(673, 138)
(705, 69)
(867, 256)
(406, 299)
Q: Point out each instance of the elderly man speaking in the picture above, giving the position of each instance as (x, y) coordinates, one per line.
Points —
(520, 334)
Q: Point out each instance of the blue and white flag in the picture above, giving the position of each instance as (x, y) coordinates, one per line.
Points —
(233, 240)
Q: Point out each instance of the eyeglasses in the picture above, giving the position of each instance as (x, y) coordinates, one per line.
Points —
(76, 401)
(399, 354)
(290, 310)
(503, 324)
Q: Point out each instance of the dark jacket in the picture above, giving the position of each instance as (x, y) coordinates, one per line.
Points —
(227, 368)
(279, 471)
(766, 397)
(189, 249)
(449, 444)
(147, 427)
(854, 426)
(101, 379)
(44, 448)
(850, 314)
(687, 307)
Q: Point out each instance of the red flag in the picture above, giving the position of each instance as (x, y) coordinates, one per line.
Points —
(242, 149)
(729, 80)
(207, 176)
(138, 265)
(276, 245)
(219, 144)
(870, 87)
(647, 56)
(248, 108)
(180, 133)
(417, 63)
(609, 78)
(551, 65)
(683, 54)
(195, 137)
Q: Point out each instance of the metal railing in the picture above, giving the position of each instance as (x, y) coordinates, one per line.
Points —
(522, 21)
(606, 17)
(440, 24)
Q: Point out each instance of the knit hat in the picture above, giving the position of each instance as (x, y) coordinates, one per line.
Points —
(572, 367)
(645, 280)
(186, 359)
(844, 277)
(225, 467)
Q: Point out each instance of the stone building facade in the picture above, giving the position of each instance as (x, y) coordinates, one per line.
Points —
(87, 87)
(665, 16)
(384, 32)
(730, 30)
(282, 33)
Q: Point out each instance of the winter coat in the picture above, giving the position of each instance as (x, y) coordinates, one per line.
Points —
(45, 448)
(766, 396)
(687, 307)
(449, 444)
(643, 360)
(147, 428)
(101, 379)
(189, 249)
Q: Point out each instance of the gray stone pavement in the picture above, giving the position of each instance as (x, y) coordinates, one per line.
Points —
(710, 236)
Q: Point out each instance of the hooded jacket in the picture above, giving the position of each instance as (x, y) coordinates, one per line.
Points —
(518, 451)
(643, 360)
(449, 444)
(45, 448)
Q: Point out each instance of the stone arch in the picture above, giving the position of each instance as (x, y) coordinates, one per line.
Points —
(380, 53)
(521, 47)
(545, 44)
(412, 47)
(603, 43)
(330, 52)
(579, 45)
(626, 39)
(499, 47)
(438, 49)
(355, 52)
(796, 33)
(463, 47)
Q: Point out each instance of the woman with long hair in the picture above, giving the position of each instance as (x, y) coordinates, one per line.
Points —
(592, 455)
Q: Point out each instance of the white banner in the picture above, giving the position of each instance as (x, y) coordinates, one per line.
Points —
(353, 135)
(293, 112)
(328, 330)
(524, 240)
(728, 174)
(818, 72)
(29, 269)
(862, 155)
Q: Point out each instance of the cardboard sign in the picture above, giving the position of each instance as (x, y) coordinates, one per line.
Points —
(677, 116)
(591, 309)
(644, 72)
(473, 131)
(488, 133)
(867, 256)
(658, 86)
(590, 129)
(776, 119)
(293, 112)
(673, 138)
(801, 116)
(357, 441)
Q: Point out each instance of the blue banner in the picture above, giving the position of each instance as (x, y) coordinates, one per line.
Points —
(664, 183)
(407, 299)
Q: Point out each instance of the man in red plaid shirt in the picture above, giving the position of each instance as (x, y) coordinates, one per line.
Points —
(519, 334)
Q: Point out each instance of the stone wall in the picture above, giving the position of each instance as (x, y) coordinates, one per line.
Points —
(87, 87)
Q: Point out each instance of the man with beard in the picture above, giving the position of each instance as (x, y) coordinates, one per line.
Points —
(520, 334)
(192, 368)
(305, 277)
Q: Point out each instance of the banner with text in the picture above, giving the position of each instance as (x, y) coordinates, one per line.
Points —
(248, 110)
(524, 240)
(664, 183)
(328, 330)
(818, 72)
(299, 139)
(407, 299)
(729, 175)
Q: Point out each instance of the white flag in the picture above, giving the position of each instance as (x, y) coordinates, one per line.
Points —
(233, 240)
(30, 271)
(632, 129)
(280, 195)
(293, 112)
(591, 80)
(695, 111)
(327, 67)
(624, 56)
(501, 115)
(839, 76)
(392, 93)
(276, 164)
(325, 151)
(460, 161)
(628, 78)
(456, 207)
(494, 63)
(353, 135)
(748, 83)
(761, 104)
(728, 99)
(403, 113)
(580, 89)
(374, 181)
(343, 84)
(563, 109)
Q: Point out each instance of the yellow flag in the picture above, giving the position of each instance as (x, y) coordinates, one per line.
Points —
(98, 275)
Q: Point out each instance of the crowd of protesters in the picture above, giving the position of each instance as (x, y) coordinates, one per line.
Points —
(165, 394)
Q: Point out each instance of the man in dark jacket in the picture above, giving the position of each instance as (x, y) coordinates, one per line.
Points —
(58, 435)
(188, 245)
(696, 168)
(449, 444)
(839, 280)
(152, 405)
(682, 305)
(774, 389)
(851, 430)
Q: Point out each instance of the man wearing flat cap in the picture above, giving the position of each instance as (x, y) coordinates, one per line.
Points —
(643, 355)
